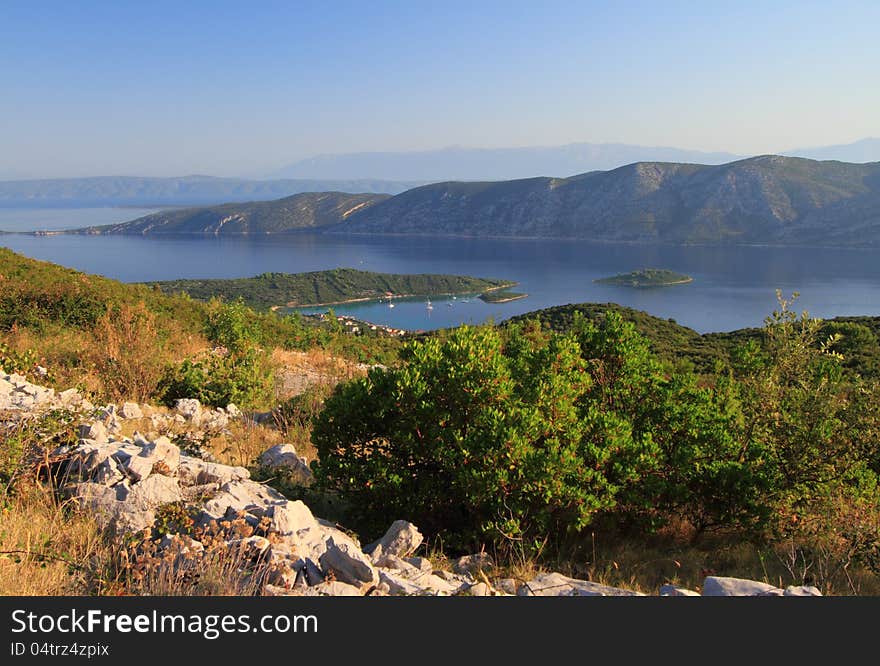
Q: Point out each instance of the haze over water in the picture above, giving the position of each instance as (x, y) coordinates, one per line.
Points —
(733, 287)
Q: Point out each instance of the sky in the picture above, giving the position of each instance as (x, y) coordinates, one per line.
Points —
(240, 88)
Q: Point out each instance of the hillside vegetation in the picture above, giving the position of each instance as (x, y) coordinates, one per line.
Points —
(327, 287)
(647, 277)
(768, 199)
(300, 211)
(593, 439)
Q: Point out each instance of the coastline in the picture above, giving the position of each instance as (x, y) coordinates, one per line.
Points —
(366, 299)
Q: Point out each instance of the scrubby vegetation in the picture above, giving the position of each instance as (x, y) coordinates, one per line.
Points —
(532, 437)
(132, 342)
(647, 277)
(594, 439)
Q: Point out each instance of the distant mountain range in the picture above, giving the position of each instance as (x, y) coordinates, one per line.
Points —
(866, 150)
(300, 211)
(183, 191)
(481, 164)
(768, 199)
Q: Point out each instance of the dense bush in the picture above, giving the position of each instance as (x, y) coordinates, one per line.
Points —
(527, 434)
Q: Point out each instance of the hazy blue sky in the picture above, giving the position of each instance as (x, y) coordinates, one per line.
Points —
(232, 87)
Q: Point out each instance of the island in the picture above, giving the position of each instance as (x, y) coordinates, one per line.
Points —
(500, 296)
(647, 277)
(274, 291)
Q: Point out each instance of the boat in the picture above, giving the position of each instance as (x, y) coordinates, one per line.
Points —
(429, 306)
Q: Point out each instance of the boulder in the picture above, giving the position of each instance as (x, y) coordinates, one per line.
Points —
(721, 586)
(195, 472)
(291, 517)
(480, 590)
(397, 585)
(131, 410)
(337, 589)
(557, 585)
(96, 432)
(401, 540)
(348, 564)
(190, 409)
(801, 591)
(420, 563)
(162, 450)
(284, 456)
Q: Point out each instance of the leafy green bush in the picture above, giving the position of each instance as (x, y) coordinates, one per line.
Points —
(472, 439)
(12, 361)
(245, 378)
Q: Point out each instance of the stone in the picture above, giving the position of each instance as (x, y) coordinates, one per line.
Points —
(480, 590)
(401, 540)
(194, 472)
(675, 591)
(291, 517)
(506, 585)
(802, 591)
(233, 411)
(190, 409)
(557, 585)
(284, 456)
(107, 473)
(721, 586)
(240, 497)
(139, 467)
(337, 589)
(348, 564)
(471, 564)
(95, 431)
(420, 563)
(398, 585)
(162, 450)
(131, 410)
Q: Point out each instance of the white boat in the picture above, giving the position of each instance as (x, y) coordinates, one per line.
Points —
(390, 304)
(429, 306)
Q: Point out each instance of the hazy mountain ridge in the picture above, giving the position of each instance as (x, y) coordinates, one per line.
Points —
(761, 199)
(480, 164)
(300, 211)
(186, 190)
(768, 199)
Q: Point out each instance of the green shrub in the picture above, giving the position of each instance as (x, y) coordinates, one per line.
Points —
(245, 378)
(472, 439)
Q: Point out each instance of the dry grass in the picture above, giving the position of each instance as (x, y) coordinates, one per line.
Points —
(45, 550)
(246, 441)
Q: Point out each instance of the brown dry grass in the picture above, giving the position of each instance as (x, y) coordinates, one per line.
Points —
(45, 550)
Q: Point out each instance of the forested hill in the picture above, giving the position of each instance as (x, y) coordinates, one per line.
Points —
(328, 287)
(679, 345)
(769, 199)
(301, 211)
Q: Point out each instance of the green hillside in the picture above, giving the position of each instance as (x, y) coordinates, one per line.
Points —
(327, 287)
(300, 211)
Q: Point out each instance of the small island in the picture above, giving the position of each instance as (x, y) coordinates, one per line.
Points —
(279, 292)
(501, 296)
(647, 277)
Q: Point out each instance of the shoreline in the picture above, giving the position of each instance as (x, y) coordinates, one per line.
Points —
(642, 286)
(366, 299)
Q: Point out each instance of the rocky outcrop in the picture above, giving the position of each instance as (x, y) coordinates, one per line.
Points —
(139, 483)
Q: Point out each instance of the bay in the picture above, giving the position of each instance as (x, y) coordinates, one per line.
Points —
(733, 287)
